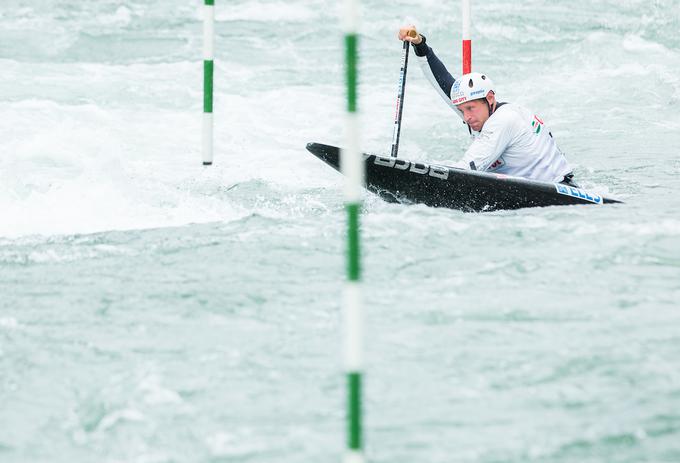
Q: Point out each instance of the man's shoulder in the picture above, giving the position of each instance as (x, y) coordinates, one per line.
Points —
(514, 110)
(506, 115)
(505, 109)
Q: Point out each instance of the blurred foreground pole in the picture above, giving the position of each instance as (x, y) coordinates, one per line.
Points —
(467, 41)
(352, 166)
(208, 67)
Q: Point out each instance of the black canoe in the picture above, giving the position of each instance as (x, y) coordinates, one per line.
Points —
(412, 182)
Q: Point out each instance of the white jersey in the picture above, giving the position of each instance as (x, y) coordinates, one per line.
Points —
(514, 141)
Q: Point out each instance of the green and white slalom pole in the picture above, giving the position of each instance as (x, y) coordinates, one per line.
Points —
(352, 166)
(208, 69)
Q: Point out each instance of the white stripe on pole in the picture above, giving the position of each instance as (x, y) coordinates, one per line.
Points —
(350, 16)
(351, 160)
(207, 137)
(353, 457)
(353, 327)
(466, 19)
(208, 32)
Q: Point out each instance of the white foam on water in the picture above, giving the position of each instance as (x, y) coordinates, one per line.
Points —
(156, 394)
(121, 17)
(8, 323)
(267, 11)
(80, 169)
(118, 417)
(83, 168)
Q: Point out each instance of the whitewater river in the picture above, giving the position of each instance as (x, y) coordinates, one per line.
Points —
(154, 310)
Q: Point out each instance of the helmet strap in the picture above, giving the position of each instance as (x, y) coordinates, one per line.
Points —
(492, 109)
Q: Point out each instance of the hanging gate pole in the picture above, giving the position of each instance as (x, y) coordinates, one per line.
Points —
(352, 166)
(467, 41)
(208, 70)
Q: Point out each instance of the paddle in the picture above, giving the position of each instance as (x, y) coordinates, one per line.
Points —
(400, 95)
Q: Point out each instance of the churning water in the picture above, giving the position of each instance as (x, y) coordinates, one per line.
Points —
(153, 310)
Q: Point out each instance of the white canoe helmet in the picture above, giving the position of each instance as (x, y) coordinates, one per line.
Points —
(473, 86)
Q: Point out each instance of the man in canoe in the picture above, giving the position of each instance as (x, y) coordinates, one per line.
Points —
(507, 138)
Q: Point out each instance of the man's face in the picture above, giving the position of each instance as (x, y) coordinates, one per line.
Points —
(475, 113)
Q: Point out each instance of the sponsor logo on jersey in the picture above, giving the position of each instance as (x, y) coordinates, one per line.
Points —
(537, 124)
(577, 193)
(497, 164)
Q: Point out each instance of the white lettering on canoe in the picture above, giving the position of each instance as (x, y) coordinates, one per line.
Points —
(415, 167)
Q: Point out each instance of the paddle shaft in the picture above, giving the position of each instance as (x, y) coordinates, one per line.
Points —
(400, 99)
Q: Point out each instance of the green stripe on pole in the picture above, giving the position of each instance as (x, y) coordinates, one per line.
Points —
(353, 255)
(209, 2)
(351, 41)
(208, 86)
(354, 404)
